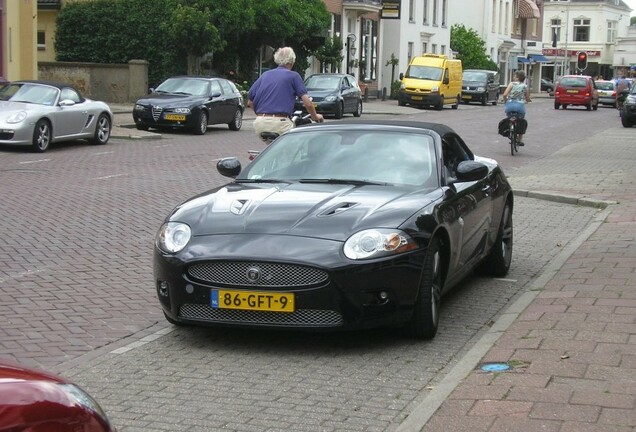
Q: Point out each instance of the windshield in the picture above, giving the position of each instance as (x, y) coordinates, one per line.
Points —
(347, 157)
(474, 76)
(29, 93)
(322, 82)
(425, 72)
(574, 82)
(188, 86)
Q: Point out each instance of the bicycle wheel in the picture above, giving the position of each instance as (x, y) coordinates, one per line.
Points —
(513, 139)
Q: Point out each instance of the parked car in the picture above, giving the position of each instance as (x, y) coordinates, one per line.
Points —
(547, 86)
(337, 225)
(192, 103)
(480, 86)
(576, 90)
(36, 401)
(628, 110)
(38, 113)
(606, 92)
(333, 94)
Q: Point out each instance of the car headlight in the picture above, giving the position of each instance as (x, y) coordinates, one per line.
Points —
(376, 243)
(173, 237)
(181, 110)
(17, 117)
(331, 98)
(631, 99)
(481, 89)
(140, 107)
(402, 87)
(435, 89)
(85, 400)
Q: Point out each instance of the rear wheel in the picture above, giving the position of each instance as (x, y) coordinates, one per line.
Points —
(42, 135)
(626, 122)
(425, 318)
(202, 123)
(557, 105)
(514, 147)
(456, 104)
(358, 111)
(237, 121)
(497, 263)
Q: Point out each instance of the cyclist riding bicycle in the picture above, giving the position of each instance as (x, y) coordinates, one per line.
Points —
(515, 97)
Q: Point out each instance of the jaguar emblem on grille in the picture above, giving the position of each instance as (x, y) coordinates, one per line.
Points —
(253, 274)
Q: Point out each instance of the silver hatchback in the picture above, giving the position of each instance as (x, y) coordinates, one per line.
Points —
(606, 92)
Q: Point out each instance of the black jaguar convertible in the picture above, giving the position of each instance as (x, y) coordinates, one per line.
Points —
(337, 225)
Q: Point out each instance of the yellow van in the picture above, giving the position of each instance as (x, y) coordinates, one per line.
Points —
(432, 80)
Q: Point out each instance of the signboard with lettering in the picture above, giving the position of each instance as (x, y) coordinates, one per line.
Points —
(561, 52)
(390, 9)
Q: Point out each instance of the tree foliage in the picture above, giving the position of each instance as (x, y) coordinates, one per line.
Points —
(330, 54)
(470, 48)
(168, 32)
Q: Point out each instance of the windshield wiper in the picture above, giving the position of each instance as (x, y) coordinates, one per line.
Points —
(268, 180)
(342, 181)
(182, 93)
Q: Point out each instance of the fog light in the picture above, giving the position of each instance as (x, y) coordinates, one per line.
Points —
(163, 289)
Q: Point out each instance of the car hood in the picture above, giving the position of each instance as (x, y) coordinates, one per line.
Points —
(322, 93)
(481, 83)
(165, 100)
(313, 210)
(8, 107)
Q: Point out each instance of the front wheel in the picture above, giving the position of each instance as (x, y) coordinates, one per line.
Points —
(425, 318)
(102, 130)
(456, 104)
(202, 123)
(41, 136)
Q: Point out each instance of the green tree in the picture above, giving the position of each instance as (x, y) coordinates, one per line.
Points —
(330, 54)
(470, 48)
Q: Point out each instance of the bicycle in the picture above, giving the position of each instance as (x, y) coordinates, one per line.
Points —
(512, 134)
(298, 118)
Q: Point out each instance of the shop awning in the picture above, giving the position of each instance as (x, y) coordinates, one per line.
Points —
(528, 9)
(523, 60)
(539, 58)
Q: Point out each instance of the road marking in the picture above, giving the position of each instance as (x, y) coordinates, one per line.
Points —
(506, 280)
(143, 341)
(35, 161)
(23, 274)
(104, 153)
(109, 176)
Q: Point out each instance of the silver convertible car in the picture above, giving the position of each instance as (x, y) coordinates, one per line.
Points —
(38, 113)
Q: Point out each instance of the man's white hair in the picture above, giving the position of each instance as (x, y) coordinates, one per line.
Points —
(284, 56)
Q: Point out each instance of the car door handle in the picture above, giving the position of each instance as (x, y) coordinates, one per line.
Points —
(486, 189)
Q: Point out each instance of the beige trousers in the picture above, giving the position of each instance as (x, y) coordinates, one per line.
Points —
(278, 125)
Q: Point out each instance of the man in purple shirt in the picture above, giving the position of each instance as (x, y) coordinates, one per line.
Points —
(274, 93)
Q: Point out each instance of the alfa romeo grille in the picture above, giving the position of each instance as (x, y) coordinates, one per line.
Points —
(245, 273)
(156, 112)
(301, 317)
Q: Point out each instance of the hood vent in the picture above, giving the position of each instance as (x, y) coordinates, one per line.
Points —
(338, 208)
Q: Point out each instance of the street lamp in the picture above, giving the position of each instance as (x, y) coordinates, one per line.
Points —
(351, 48)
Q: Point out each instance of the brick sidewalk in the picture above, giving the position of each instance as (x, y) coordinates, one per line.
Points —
(571, 352)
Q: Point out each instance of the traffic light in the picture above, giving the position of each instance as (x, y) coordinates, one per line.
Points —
(581, 60)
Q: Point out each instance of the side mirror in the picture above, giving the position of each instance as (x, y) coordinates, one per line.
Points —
(229, 167)
(215, 94)
(401, 76)
(151, 90)
(446, 80)
(470, 170)
(66, 102)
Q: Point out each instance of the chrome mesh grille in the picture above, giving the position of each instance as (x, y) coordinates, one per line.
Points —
(156, 112)
(301, 317)
(269, 274)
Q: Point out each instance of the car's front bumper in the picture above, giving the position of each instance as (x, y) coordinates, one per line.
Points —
(431, 99)
(147, 119)
(322, 107)
(329, 291)
(474, 96)
(607, 100)
(16, 133)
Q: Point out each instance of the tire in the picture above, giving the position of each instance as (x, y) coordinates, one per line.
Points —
(484, 101)
(589, 106)
(626, 123)
(595, 107)
(42, 135)
(494, 103)
(556, 106)
(400, 103)
(102, 130)
(440, 105)
(142, 127)
(173, 322)
(456, 104)
(497, 262)
(425, 320)
(565, 106)
(358, 111)
(513, 140)
(339, 111)
(237, 121)
(202, 123)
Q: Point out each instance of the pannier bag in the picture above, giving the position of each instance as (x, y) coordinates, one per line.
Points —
(504, 127)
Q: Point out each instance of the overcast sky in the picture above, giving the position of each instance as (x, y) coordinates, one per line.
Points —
(631, 4)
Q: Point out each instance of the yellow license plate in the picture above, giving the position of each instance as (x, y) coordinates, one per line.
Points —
(176, 117)
(416, 97)
(573, 91)
(252, 300)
